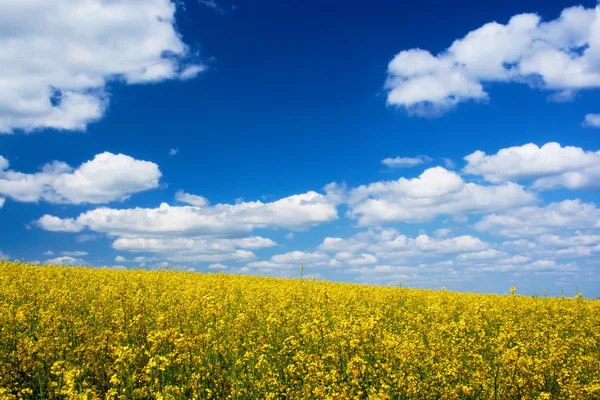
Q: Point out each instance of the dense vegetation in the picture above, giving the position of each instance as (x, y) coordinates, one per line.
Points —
(97, 333)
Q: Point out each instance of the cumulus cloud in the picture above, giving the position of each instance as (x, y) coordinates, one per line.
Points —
(299, 257)
(551, 165)
(405, 162)
(58, 57)
(389, 244)
(2, 200)
(203, 233)
(538, 266)
(108, 177)
(562, 55)
(490, 254)
(66, 260)
(427, 85)
(192, 249)
(579, 239)
(565, 245)
(435, 192)
(592, 121)
(294, 212)
(535, 221)
(220, 267)
(199, 244)
(55, 224)
(293, 260)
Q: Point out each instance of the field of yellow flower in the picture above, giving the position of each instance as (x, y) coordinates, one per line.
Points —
(98, 333)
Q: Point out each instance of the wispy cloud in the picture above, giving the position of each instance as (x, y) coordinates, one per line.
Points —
(212, 4)
(86, 237)
(449, 163)
(405, 162)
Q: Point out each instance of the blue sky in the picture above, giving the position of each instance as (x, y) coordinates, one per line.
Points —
(437, 143)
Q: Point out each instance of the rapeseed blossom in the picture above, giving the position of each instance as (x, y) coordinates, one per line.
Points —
(82, 333)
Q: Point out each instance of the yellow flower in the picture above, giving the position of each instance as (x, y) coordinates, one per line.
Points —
(83, 333)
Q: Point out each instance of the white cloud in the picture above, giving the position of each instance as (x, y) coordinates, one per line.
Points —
(451, 245)
(567, 246)
(3, 255)
(120, 259)
(49, 253)
(578, 239)
(552, 164)
(289, 236)
(489, 254)
(299, 257)
(435, 192)
(389, 272)
(198, 244)
(460, 219)
(294, 212)
(405, 162)
(193, 249)
(86, 237)
(535, 267)
(55, 224)
(191, 199)
(58, 57)
(173, 152)
(535, 221)
(2, 200)
(362, 259)
(562, 55)
(74, 253)
(592, 120)
(518, 245)
(144, 259)
(212, 234)
(66, 260)
(515, 260)
(427, 85)
(442, 232)
(449, 163)
(570, 252)
(218, 266)
(389, 244)
(564, 96)
(293, 260)
(108, 177)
